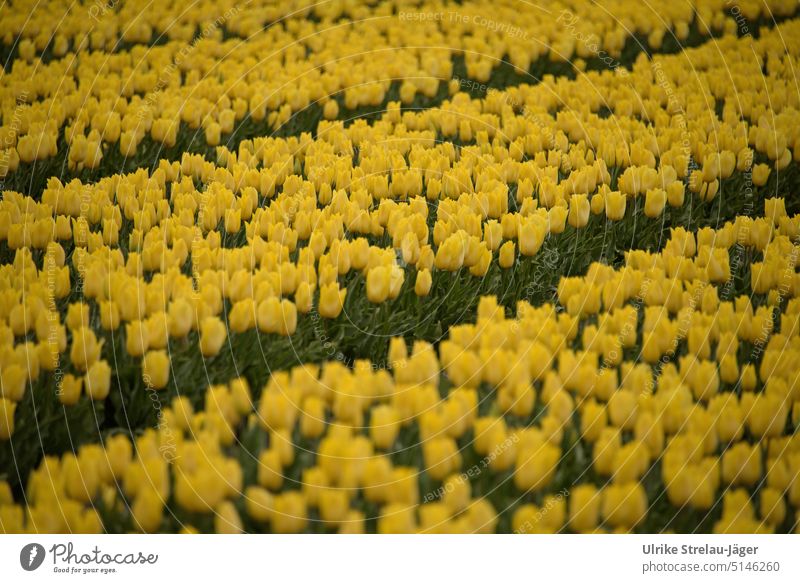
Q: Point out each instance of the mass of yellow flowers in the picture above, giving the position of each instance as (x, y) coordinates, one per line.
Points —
(400, 268)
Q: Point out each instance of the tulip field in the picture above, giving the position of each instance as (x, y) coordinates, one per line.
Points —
(400, 267)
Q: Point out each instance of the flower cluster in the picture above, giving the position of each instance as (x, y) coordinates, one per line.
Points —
(358, 326)
(109, 101)
(711, 419)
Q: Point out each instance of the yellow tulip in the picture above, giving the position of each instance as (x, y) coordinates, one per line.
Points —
(155, 369)
(624, 505)
(654, 202)
(741, 464)
(7, 409)
(579, 210)
(536, 466)
(312, 420)
(85, 348)
(242, 316)
(397, 519)
(289, 514)
(180, 317)
(259, 503)
(760, 174)
(226, 519)
(69, 390)
(422, 285)
(147, 510)
(451, 253)
(378, 280)
(615, 205)
(98, 380)
(531, 236)
(331, 300)
(557, 217)
(137, 338)
(212, 336)
(109, 315)
(304, 297)
(13, 382)
(676, 193)
(385, 426)
(507, 255)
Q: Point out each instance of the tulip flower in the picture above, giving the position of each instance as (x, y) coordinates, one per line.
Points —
(289, 514)
(536, 466)
(137, 338)
(69, 391)
(760, 174)
(624, 505)
(507, 255)
(180, 317)
(451, 253)
(13, 381)
(531, 236)
(147, 510)
(397, 519)
(212, 336)
(331, 300)
(615, 205)
(259, 503)
(227, 520)
(579, 210)
(557, 217)
(98, 380)
(741, 464)
(303, 297)
(378, 280)
(85, 349)
(654, 202)
(7, 409)
(423, 282)
(155, 369)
